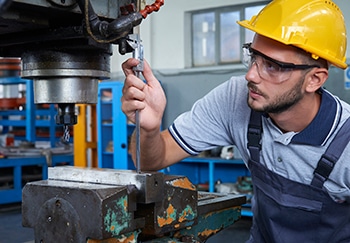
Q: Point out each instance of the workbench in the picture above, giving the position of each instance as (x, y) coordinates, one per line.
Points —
(11, 185)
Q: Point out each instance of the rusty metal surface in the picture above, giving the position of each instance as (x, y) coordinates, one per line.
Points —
(107, 206)
(177, 210)
(213, 221)
(216, 212)
(70, 211)
(208, 202)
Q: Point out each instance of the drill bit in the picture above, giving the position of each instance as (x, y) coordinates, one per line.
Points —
(66, 135)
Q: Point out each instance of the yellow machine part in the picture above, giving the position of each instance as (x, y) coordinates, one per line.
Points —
(85, 137)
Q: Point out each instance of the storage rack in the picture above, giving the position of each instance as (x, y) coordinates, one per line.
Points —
(112, 128)
(15, 171)
(16, 174)
(30, 112)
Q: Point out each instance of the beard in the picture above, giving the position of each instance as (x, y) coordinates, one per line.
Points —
(283, 101)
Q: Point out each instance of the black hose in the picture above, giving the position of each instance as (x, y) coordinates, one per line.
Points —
(104, 32)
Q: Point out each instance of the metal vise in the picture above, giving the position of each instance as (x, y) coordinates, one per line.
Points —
(84, 205)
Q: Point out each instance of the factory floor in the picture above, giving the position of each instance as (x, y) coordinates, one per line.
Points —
(12, 231)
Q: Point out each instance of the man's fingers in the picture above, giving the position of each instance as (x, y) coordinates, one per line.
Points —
(148, 74)
(133, 93)
(128, 65)
(132, 82)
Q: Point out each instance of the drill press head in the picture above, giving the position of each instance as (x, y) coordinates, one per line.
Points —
(65, 46)
(66, 77)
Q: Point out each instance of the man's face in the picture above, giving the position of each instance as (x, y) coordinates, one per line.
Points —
(273, 89)
(274, 100)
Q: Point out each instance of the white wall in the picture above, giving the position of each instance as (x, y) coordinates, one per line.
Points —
(163, 32)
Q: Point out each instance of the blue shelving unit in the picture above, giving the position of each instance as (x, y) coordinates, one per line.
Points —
(16, 171)
(29, 112)
(209, 170)
(30, 123)
(113, 128)
(12, 183)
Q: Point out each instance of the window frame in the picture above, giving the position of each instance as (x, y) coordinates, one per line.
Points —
(189, 54)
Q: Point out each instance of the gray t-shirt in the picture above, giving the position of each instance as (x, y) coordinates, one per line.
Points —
(221, 118)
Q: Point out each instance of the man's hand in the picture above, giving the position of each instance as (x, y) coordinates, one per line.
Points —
(148, 97)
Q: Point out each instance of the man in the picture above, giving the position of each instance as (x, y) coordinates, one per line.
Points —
(279, 117)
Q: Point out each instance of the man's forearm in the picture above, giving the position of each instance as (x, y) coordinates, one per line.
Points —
(152, 150)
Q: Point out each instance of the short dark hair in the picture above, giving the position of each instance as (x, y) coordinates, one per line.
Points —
(308, 59)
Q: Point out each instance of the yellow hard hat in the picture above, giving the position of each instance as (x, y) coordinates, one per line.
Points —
(316, 26)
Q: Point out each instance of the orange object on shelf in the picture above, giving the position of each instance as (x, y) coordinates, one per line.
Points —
(8, 103)
(10, 66)
(11, 103)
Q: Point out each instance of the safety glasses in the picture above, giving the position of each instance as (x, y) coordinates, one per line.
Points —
(268, 68)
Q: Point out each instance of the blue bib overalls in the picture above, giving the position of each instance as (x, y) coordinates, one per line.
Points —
(288, 211)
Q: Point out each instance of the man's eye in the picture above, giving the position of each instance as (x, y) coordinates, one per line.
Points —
(271, 67)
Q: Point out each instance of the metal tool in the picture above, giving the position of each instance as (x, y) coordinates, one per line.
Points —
(135, 43)
(66, 134)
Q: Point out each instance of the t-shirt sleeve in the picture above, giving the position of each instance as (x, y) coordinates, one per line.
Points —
(213, 119)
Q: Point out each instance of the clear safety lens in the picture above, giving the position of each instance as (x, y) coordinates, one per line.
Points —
(268, 68)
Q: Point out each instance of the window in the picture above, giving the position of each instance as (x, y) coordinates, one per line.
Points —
(204, 38)
(217, 38)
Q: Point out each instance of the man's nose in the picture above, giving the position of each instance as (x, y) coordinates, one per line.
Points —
(253, 73)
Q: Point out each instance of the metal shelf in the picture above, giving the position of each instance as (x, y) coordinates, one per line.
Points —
(113, 129)
(12, 183)
(29, 113)
(14, 169)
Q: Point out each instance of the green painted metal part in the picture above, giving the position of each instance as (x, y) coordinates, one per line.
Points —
(210, 224)
(117, 216)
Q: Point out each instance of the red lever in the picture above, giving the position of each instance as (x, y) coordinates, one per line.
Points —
(152, 8)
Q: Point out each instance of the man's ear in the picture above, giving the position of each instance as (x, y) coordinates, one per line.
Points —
(316, 79)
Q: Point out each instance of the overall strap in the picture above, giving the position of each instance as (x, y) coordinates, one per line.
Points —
(254, 135)
(330, 157)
